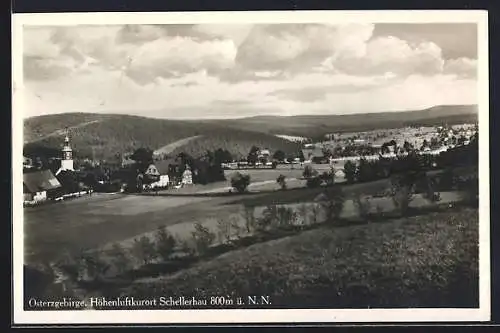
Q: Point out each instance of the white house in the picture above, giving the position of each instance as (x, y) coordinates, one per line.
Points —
(157, 172)
(187, 176)
(162, 173)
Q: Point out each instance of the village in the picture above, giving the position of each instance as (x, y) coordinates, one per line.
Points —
(144, 170)
(156, 214)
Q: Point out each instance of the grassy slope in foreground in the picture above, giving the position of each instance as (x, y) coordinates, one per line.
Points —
(424, 261)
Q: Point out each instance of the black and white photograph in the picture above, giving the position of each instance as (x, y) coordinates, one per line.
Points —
(303, 166)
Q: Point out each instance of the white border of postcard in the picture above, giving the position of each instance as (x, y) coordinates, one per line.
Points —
(253, 316)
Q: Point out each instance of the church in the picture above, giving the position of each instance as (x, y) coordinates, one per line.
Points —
(40, 183)
(67, 157)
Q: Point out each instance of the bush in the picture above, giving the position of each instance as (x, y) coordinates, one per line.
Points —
(303, 212)
(332, 201)
(240, 182)
(285, 217)
(309, 172)
(402, 195)
(363, 207)
(350, 171)
(328, 178)
(367, 171)
(93, 265)
(236, 228)
(469, 191)
(119, 258)
(70, 266)
(164, 243)
(268, 218)
(429, 190)
(144, 250)
(281, 180)
(202, 238)
(249, 217)
(314, 213)
(224, 231)
(187, 246)
(313, 182)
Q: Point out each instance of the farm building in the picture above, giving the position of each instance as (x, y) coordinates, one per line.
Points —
(160, 170)
(152, 172)
(37, 185)
(263, 155)
(315, 155)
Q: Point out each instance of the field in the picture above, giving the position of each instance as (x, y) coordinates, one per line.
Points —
(418, 261)
(425, 261)
(103, 219)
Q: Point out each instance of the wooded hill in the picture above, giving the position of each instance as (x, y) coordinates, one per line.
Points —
(107, 136)
(314, 125)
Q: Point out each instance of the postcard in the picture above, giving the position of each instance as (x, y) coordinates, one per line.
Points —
(251, 167)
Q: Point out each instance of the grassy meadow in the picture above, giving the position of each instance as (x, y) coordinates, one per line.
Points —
(423, 261)
(363, 257)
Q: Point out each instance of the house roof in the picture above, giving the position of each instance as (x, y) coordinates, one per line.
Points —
(42, 180)
(152, 169)
(162, 165)
(264, 152)
(313, 152)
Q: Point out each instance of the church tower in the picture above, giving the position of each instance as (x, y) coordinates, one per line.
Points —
(67, 155)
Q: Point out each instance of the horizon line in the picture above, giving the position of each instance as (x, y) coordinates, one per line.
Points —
(110, 113)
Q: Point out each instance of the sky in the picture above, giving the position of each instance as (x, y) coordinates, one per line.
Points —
(231, 71)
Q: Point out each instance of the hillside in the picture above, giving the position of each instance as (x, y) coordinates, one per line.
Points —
(108, 136)
(171, 147)
(314, 125)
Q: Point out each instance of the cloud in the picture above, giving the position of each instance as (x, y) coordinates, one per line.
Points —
(241, 69)
(391, 54)
(57, 51)
(159, 52)
(462, 67)
(137, 34)
(178, 56)
(298, 47)
(456, 40)
(37, 43)
(185, 84)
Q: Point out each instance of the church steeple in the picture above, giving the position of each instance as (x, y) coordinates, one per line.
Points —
(67, 154)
